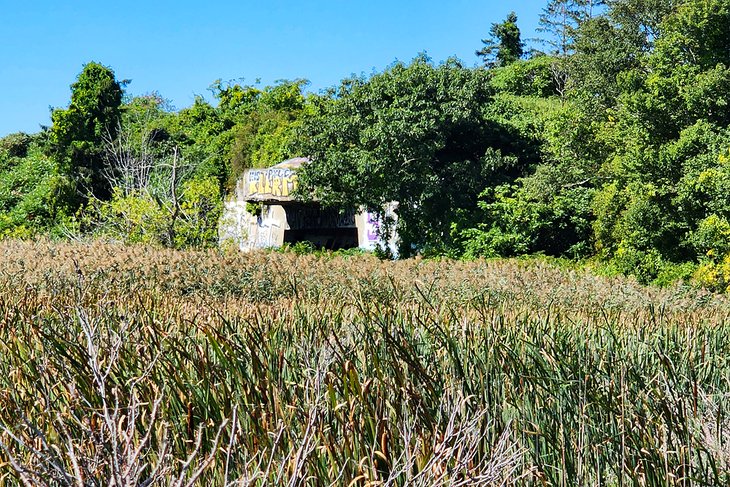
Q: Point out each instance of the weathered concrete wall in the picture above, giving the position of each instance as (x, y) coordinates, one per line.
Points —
(249, 231)
(284, 219)
(369, 229)
(269, 229)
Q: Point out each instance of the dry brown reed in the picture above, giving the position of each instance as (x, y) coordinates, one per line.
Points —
(141, 366)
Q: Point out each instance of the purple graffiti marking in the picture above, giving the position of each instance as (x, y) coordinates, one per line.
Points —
(373, 227)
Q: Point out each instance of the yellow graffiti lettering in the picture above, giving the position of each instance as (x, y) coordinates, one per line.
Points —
(291, 184)
(251, 186)
(274, 183)
(276, 189)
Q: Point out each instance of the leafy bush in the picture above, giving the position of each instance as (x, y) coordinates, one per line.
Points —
(533, 77)
(714, 274)
(141, 217)
(33, 194)
(15, 145)
(517, 224)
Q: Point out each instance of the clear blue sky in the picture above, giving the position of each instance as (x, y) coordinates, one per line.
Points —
(179, 48)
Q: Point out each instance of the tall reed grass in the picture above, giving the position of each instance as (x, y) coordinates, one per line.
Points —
(138, 366)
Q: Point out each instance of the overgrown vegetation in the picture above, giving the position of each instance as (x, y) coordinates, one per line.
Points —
(118, 364)
(134, 353)
(608, 141)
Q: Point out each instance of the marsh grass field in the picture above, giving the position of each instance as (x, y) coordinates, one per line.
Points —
(132, 366)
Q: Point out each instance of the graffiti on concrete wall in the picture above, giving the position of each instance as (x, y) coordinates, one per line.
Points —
(377, 230)
(268, 226)
(314, 217)
(270, 183)
(373, 227)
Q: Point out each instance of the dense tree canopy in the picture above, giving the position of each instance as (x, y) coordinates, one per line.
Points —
(416, 134)
(612, 146)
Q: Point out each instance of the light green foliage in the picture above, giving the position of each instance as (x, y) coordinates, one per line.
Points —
(132, 218)
(676, 216)
(159, 165)
(201, 208)
(712, 237)
(532, 77)
(523, 103)
(712, 242)
(688, 75)
(637, 230)
(140, 217)
(714, 274)
(572, 144)
(33, 191)
(262, 122)
(695, 35)
(641, 19)
(202, 136)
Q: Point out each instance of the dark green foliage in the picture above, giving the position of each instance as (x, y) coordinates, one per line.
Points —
(517, 224)
(79, 131)
(506, 46)
(417, 134)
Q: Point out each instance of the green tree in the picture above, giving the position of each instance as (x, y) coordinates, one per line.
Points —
(560, 20)
(15, 145)
(668, 134)
(33, 191)
(641, 18)
(505, 46)
(78, 132)
(603, 51)
(416, 134)
(516, 222)
(202, 138)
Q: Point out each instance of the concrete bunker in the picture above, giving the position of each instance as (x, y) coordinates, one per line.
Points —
(263, 213)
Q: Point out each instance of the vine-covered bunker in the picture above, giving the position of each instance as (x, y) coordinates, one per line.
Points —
(263, 213)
